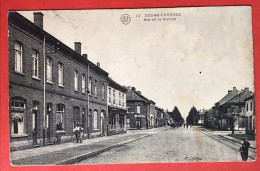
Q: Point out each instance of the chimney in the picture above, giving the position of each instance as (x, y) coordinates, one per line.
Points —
(139, 92)
(247, 88)
(98, 64)
(229, 91)
(38, 19)
(85, 56)
(78, 47)
(133, 88)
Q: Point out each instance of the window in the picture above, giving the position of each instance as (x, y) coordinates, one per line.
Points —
(83, 83)
(18, 57)
(103, 91)
(49, 111)
(95, 119)
(112, 120)
(35, 67)
(76, 116)
(138, 109)
(114, 96)
(109, 93)
(95, 88)
(76, 80)
(246, 106)
(123, 99)
(90, 85)
(49, 69)
(60, 117)
(119, 98)
(122, 121)
(17, 116)
(251, 106)
(60, 73)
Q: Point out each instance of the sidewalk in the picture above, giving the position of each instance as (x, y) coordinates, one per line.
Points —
(226, 135)
(69, 153)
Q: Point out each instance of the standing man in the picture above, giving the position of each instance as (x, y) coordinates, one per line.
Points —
(77, 132)
(244, 149)
(80, 133)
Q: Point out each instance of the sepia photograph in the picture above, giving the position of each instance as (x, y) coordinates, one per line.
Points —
(120, 86)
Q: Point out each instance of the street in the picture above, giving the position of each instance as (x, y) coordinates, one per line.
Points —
(172, 145)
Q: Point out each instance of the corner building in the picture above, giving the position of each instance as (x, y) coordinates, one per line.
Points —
(45, 104)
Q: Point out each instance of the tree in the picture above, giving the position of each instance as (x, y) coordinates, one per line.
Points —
(193, 116)
(176, 116)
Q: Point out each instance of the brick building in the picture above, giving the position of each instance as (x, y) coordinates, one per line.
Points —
(137, 109)
(44, 104)
(116, 100)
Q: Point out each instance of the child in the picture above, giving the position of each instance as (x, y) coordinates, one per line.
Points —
(244, 149)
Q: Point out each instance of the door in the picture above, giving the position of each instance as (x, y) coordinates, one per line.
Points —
(34, 127)
(102, 122)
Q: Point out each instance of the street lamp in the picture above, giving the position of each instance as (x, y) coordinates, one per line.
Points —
(233, 117)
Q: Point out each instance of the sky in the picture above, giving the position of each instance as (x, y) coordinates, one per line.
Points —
(184, 57)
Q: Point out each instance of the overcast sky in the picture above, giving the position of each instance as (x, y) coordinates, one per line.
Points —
(193, 60)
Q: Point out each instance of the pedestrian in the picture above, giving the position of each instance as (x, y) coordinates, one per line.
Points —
(187, 126)
(80, 133)
(76, 131)
(244, 149)
(184, 125)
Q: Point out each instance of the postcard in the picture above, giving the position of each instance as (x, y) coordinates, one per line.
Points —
(119, 86)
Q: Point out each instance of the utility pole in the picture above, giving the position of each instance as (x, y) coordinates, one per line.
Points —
(44, 110)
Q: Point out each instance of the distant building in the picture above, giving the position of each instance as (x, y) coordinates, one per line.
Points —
(152, 115)
(230, 109)
(116, 108)
(137, 109)
(201, 114)
(159, 120)
(250, 115)
(209, 120)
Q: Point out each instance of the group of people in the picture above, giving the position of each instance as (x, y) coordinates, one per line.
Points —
(185, 124)
(78, 130)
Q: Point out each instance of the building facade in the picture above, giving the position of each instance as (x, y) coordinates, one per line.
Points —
(250, 115)
(137, 109)
(159, 121)
(152, 114)
(116, 108)
(229, 112)
(49, 86)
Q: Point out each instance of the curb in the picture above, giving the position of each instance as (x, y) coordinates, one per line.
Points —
(94, 153)
(236, 141)
(211, 136)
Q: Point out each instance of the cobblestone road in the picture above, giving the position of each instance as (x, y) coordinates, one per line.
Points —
(173, 145)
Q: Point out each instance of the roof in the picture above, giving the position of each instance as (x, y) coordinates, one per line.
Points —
(115, 85)
(250, 97)
(23, 23)
(230, 95)
(135, 96)
(241, 96)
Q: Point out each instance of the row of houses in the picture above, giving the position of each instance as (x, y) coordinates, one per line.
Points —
(235, 111)
(52, 88)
